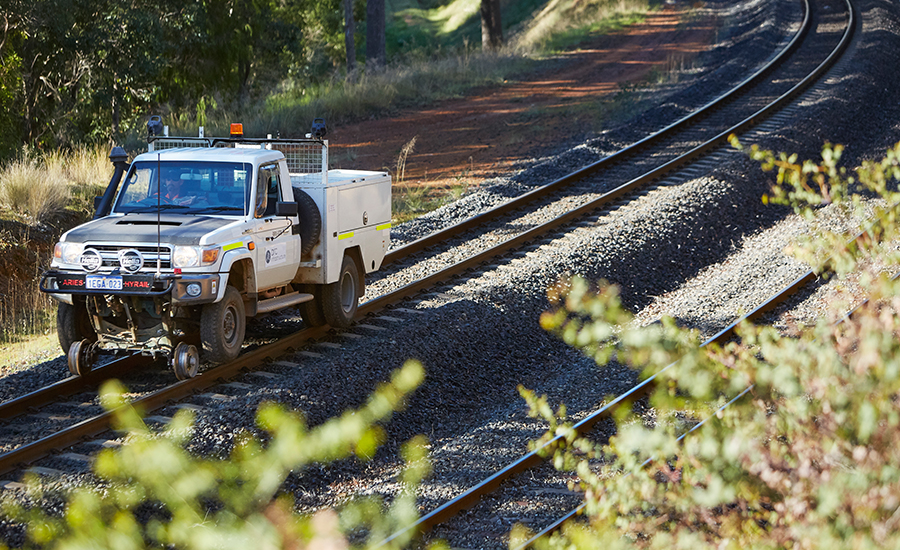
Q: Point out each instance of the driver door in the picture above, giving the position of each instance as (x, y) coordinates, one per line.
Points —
(277, 248)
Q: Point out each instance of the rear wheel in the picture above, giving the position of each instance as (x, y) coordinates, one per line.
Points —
(222, 326)
(73, 324)
(81, 357)
(340, 299)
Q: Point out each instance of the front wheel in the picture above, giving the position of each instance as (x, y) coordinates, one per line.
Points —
(222, 326)
(73, 324)
(340, 299)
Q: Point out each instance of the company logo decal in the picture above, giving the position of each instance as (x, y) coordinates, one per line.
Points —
(90, 260)
(276, 254)
(136, 284)
(131, 260)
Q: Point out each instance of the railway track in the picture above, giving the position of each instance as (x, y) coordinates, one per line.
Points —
(595, 188)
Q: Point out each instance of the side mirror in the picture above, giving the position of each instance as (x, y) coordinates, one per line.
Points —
(287, 209)
(97, 202)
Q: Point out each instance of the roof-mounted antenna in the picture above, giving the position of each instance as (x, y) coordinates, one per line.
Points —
(158, 224)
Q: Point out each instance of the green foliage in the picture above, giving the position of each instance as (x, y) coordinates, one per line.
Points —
(198, 503)
(10, 84)
(806, 459)
(563, 24)
(95, 70)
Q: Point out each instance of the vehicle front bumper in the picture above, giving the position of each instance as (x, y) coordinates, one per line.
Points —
(62, 283)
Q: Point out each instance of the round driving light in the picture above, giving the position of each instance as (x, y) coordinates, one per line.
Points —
(90, 260)
(131, 260)
(193, 290)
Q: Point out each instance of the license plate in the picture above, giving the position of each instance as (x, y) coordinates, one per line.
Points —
(103, 282)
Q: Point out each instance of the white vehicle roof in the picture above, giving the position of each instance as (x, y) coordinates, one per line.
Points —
(216, 154)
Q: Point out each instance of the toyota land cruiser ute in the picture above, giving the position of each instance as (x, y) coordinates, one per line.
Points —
(203, 233)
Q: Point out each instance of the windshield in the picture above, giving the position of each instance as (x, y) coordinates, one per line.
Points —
(189, 187)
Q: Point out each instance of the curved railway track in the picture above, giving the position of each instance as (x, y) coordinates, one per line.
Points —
(677, 148)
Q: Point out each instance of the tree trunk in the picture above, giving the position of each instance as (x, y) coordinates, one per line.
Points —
(375, 39)
(115, 111)
(349, 39)
(491, 26)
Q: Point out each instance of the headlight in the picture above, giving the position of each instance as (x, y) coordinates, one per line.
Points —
(193, 256)
(68, 253)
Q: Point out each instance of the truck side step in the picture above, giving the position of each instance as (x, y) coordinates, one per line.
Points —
(278, 302)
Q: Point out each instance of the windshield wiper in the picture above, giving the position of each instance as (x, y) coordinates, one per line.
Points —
(160, 207)
(220, 209)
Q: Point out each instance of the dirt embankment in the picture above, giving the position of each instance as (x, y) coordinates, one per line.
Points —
(480, 136)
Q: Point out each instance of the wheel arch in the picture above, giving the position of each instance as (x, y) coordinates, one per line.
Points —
(355, 253)
(241, 276)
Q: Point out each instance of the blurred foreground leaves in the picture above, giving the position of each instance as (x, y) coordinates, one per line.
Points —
(155, 494)
(809, 457)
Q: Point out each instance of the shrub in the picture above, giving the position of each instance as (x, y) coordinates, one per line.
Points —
(807, 458)
(198, 503)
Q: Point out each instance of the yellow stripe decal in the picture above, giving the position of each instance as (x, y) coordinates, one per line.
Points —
(345, 236)
(383, 226)
(232, 246)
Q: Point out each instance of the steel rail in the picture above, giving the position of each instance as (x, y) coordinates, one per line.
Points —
(471, 496)
(618, 157)
(93, 426)
(559, 522)
(68, 386)
(531, 459)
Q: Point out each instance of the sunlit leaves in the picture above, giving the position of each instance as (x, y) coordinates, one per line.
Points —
(808, 458)
(202, 503)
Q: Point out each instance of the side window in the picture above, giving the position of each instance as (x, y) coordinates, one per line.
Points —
(274, 190)
(267, 191)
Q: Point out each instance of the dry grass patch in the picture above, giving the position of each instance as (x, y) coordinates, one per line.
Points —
(35, 188)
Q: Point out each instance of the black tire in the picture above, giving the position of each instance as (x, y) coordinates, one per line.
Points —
(311, 312)
(340, 299)
(222, 327)
(310, 221)
(73, 324)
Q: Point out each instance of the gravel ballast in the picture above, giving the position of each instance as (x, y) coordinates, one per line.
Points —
(700, 250)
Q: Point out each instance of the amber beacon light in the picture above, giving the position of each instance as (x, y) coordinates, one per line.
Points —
(237, 130)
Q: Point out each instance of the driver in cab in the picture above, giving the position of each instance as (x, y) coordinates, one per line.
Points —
(174, 193)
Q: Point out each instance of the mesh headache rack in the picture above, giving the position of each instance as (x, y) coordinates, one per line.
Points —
(307, 159)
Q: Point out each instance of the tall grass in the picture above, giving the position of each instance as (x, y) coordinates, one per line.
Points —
(37, 187)
(37, 191)
(30, 191)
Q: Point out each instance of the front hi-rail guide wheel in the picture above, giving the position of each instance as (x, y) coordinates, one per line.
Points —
(185, 361)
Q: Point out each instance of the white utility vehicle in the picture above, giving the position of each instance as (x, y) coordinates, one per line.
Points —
(203, 233)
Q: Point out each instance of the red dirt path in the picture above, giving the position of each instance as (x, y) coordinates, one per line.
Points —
(468, 139)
